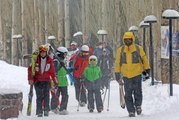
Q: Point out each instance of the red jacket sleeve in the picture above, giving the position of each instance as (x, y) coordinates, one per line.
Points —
(53, 73)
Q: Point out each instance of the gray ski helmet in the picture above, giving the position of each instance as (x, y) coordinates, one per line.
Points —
(62, 49)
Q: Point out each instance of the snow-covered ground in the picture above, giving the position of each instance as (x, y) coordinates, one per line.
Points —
(157, 104)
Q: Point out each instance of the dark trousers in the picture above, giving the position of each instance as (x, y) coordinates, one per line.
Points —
(95, 95)
(42, 93)
(54, 101)
(80, 90)
(133, 92)
(64, 100)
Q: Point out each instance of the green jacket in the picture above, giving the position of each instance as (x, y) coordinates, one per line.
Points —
(62, 79)
(92, 73)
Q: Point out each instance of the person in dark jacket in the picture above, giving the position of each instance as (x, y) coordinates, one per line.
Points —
(92, 75)
(105, 63)
(44, 72)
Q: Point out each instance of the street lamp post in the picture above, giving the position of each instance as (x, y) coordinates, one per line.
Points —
(103, 34)
(170, 14)
(151, 19)
(144, 26)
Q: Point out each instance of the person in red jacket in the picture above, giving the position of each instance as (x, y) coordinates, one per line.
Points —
(44, 73)
(80, 63)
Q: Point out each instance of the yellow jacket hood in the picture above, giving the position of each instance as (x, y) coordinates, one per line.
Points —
(128, 35)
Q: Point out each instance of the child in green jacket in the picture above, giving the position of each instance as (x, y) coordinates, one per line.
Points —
(92, 75)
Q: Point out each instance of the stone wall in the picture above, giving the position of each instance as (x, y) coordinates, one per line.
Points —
(10, 103)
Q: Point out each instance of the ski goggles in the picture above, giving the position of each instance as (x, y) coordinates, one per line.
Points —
(92, 59)
(43, 48)
(85, 52)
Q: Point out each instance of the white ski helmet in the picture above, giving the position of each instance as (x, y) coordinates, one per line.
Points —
(85, 48)
(62, 49)
(93, 57)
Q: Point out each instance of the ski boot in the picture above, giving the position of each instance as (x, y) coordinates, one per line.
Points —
(138, 110)
(55, 111)
(131, 114)
(46, 113)
(90, 110)
(39, 115)
(63, 112)
(82, 104)
(100, 110)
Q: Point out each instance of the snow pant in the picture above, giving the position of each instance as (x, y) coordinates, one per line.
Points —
(80, 90)
(95, 95)
(133, 92)
(42, 92)
(64, 100)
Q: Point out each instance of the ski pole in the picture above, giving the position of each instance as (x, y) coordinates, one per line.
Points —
(81, 86)
(104, 95)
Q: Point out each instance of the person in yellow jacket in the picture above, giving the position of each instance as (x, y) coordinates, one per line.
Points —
(131, 62)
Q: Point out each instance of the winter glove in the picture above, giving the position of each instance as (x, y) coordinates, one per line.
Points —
(119, 79)
(146, 73)
(31, 82)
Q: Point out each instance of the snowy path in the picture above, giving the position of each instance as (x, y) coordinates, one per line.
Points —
(115, 111)
(157, 105)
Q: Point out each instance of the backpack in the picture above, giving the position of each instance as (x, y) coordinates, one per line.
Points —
(137, 50)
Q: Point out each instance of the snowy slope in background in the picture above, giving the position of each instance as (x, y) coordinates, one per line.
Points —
(157, 104)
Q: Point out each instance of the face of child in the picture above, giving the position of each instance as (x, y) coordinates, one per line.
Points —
(43, 53)
(93, 62)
